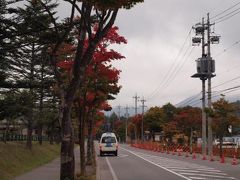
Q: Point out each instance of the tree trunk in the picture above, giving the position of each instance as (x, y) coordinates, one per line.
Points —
(153, 136)
(40, 129)
(6, 132)
(51, 139)
(221, 143)
(29, 135)
(30, 115)
(67, 146)
(81, 142)
(90, 139)
(30, 127)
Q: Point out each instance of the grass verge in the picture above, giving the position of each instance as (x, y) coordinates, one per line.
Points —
(15, 159)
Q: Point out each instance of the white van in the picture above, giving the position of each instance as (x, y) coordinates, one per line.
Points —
(108, 144)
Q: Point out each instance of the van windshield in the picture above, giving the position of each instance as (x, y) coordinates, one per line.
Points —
(108, 139)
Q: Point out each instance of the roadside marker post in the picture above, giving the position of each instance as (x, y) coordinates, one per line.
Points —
(204, 157)
(194, 156)
(211, 158)
(187, 154)
(222, 160)
(234, 161)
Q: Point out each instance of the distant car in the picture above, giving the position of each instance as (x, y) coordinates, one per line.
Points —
(108, 144)
(227, 142)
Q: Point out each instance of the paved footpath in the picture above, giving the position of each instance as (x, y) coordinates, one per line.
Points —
(50, 171)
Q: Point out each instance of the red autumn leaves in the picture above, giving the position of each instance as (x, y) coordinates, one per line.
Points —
(101, 56)
(101, 77)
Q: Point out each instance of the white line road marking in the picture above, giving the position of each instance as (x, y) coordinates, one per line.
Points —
(111, 170)
(122, 155)
(157, 165)
(194, 171)
(192, 174)
(173, 167)
(186, 170)
(211, 170)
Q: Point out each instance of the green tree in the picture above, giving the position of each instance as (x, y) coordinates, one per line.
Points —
(224, 115)
(8, 24)
(9, 110)
(168, 111)
(29, 68)
(153, 120)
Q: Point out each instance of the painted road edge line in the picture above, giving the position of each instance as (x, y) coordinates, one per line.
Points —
(111, 170)
(184, 177)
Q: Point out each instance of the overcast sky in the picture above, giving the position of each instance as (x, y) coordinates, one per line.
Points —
(156, 31)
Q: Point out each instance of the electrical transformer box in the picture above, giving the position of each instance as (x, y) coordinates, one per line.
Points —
(205, 65)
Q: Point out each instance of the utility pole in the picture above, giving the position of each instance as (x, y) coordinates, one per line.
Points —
(200, 38)
(204, 120)
(136, 100)
(143, 106)
(119, 111)
(113, 120)
(205, 70)
(126, 130)
(209, 119)
(203, 78)
(215, 40)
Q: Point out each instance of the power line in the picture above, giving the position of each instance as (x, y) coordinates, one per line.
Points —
(228, 14)
(193, 98)
(225, 10)
(173, 64)
(223, 72)
(227, 18)
(235, 87)
(188, 100)
(218, 93)
(165, 83)
(226, 49)
(238, 77)
(180, 68)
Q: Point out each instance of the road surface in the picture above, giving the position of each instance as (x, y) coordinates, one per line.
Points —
(137, 164)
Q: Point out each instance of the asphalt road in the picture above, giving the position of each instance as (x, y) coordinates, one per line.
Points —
(137, 164)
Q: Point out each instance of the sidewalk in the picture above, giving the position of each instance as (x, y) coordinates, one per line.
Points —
(50, 171)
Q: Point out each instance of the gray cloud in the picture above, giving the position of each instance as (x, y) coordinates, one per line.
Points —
(155, 31)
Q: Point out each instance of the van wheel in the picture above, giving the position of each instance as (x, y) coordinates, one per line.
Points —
(116, 153)
(101, 154)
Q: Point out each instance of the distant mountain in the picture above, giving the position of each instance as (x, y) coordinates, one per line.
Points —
(196, 102)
